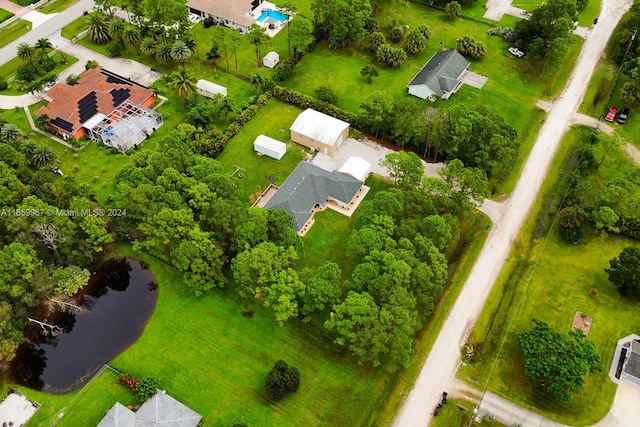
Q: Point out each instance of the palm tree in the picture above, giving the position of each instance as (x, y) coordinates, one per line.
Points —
(25, 52)
(148, 46)
(163, 53)
(258, 81)
(43, 45)
(131, 36)
(191, 44)
(183, 81)
(28, 148)
(116, 28)
(97, 27)
(288, 9)
(258, 38)
(227, 108)
(42, 121)
(180, 52)
(43, 156)
(10, 133)
(212, 56)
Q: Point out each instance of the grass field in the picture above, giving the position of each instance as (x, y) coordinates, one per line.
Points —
(4, 15)
(13, 31)
(458, 413)
(550, 279)
(56, 6)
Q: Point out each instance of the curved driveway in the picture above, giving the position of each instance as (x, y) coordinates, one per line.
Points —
(441, 365)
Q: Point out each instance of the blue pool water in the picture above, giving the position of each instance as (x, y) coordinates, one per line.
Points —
(268, 13)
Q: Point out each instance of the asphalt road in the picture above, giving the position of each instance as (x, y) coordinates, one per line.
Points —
(442, 362)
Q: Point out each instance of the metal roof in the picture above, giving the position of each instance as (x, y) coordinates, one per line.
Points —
(268, 143)
(308, 186)
(357, 167)
(319, 126)
(442, 72)
(211, 86)
(272, 56)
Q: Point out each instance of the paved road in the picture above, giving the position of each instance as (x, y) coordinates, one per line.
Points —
(45, 31)
(441, 365)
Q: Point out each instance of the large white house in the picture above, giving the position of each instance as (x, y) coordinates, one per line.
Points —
(230, 13)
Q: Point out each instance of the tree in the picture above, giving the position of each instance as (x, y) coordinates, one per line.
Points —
(257, 268)
(341, 21)
(10, 133)
(375, 40)
(323, 288)
(396, 5)
(212, 55)
(131, 36)
(146, 388)
(326, 94)
(405, 168)
(369, 72)
(282, 379)
(182, 81)
(624, 272)
(97, 27)
(394, 57)
(257, 80)
(415, 41)
(25, 52)
(288, 8)
(180, 52)
(43, 156)
(116, 28)
(558, 362)
(69, 280)
(258, 37)
(43, 46)
(469, 186)
(164, 12)
(453, 9)
(300, 34)
(19, 267)
(148, 46)
(163, 53)
(376, 110)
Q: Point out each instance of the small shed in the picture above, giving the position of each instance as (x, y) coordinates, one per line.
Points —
(210, 89)
(271, 59)
(270, 147)
(356, 167)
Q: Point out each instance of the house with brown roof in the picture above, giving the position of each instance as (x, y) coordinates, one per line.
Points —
(104, 106)
(230, 13)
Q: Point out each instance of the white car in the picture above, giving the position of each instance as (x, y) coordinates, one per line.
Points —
(516, 52)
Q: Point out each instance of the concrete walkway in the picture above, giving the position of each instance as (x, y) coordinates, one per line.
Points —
(10, 6)
(496, 9)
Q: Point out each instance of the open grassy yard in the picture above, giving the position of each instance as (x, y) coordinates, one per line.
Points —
(13, 31)
(56, 6)
(4, 15)
(551, 280)
(206, 354)
(458, 413)
(274, 120)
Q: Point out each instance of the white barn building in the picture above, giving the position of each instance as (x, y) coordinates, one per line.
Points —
(319, 131)
(210, 89)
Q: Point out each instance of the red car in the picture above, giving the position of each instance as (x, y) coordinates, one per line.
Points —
(611, 115)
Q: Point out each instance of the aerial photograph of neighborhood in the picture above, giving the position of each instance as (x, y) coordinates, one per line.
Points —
(319, 213)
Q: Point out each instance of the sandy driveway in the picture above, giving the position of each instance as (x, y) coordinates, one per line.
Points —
(442, 363)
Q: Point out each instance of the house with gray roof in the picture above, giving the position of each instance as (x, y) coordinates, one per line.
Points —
(631, 367)
(309, 187)
(159, 411)
(440, 76)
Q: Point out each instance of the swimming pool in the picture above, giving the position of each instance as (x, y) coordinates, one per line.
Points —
(269, 13)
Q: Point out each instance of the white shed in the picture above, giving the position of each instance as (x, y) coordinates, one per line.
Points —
(270, 147)
(356, 167)
(209, 89)
(271, 59)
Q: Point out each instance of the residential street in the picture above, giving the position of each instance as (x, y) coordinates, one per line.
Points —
(441, 365)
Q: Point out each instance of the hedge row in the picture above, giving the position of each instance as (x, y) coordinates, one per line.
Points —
(247, 114)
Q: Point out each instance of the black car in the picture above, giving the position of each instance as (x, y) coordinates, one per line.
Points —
(622, 117)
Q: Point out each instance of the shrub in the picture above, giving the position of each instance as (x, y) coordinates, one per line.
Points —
(26, 72)
(283, 70)
(424, 30)
(506, 33)
(375, 40)
(129, 381)
(3, 84)
(47, 64)
(114, 50)
(208, 22)
(392, 56)
(282, 379)
(91, 64)
(467, 45)
(145, 389)
(72, 79)
(326, 94)
(396, 34)
(415, 42)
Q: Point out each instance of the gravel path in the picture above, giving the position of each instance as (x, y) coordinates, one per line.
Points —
(439, 369)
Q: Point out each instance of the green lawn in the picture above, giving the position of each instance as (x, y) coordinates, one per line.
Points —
(4, 15)
(274, 120)
(458, 413)
(551, 280)
(8, 69)
(208, 355)
(56, 6)
(13, 31)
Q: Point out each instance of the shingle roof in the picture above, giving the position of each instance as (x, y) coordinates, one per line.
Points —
(309, 185)
(97, 90)
(119, 416)
(233, 11)
(319, 126)
(632, 364)
(442, 72)
(161, 410)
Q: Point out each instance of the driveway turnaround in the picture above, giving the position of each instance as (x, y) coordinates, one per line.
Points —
(442, 362)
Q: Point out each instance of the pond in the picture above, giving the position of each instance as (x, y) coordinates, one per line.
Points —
(115, 307)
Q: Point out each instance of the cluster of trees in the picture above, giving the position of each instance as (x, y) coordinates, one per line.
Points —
(626, 53)
(341, 21)
(476, 135)
(415, 41)
(43, 251)
(558, 362)
(467, 45)
(35, 72)
(609, 206)
(546, 34)
(624, 272)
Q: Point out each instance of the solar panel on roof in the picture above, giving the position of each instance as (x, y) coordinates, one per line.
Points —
(114, 78)
(119, 96)
(62, 124)
(88, 106)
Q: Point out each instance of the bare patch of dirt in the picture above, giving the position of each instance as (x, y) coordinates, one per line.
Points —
(582, 321)
(633, 152)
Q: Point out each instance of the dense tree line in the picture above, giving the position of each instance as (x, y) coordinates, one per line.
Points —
(50, 230)
(626, 53)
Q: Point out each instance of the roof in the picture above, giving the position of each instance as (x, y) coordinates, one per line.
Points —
(319, 126)
(309, 185)
(357, 167)
(210, 86)
(159, 411)
(231, 10)
(272, 56)
(632, 364)
(442, 72)
(97, 91)
(269, 143)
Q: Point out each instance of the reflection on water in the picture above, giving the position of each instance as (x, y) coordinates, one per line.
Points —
(119, 300)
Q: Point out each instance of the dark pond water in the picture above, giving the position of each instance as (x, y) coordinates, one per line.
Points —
(119, 299)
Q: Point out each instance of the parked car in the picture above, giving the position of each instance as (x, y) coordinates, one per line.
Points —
(516, 52)
(611, 115)
(624, 114)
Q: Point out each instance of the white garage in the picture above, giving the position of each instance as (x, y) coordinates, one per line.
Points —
(210, 89)
(269, 147)
(356, 167)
